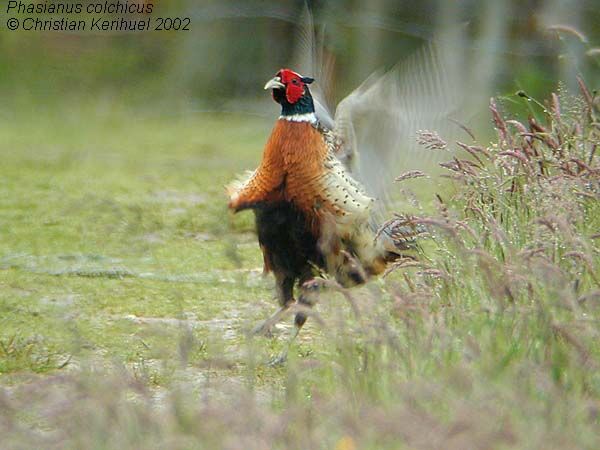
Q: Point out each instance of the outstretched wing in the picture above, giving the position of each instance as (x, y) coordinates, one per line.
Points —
(311, 59)
(380, 121)
(378, 124)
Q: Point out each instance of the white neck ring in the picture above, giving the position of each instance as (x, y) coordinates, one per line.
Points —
(307, 117)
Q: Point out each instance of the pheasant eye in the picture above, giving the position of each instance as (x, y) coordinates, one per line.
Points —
(295, 81)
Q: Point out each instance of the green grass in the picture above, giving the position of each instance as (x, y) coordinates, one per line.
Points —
(120, 215)
(126, 290)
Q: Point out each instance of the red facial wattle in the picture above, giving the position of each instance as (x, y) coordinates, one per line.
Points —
(294, 86)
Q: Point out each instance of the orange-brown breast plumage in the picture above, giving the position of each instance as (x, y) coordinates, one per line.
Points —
(291, 170)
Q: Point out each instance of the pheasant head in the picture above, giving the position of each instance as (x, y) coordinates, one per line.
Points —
(290, 90)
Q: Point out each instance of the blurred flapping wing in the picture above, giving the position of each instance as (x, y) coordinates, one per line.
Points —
(311, 59)
(381, 122)
(394, 121)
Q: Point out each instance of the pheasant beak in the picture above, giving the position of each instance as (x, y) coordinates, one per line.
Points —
(275, 83)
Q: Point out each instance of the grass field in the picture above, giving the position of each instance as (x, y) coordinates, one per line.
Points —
(126, 293)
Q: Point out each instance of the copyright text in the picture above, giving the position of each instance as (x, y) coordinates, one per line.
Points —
(100, 16)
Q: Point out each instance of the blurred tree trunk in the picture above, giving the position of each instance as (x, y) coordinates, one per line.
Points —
(491, 43)
(367, 38)
(572, 59)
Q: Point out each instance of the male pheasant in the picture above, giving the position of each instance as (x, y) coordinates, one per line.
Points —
(322, 189)
(311, 214)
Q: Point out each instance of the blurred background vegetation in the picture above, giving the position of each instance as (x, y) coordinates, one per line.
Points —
(234, 46)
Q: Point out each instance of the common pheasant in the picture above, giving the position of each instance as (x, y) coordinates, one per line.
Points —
(311, 214)
(320, 192)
